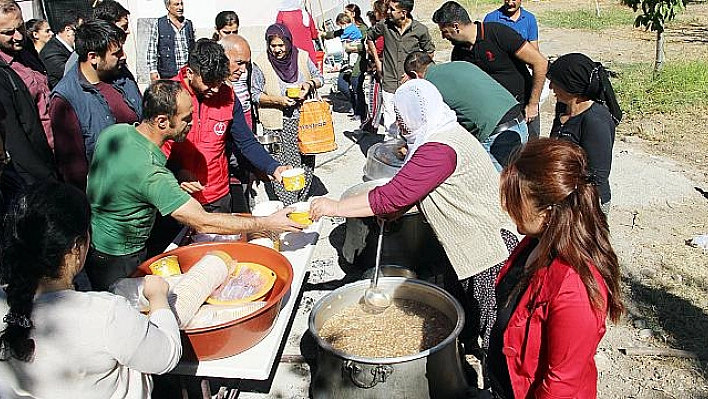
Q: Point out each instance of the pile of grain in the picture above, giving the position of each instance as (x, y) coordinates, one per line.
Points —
(405, 328)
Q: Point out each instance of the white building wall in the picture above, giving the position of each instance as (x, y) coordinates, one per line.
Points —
(254, 15)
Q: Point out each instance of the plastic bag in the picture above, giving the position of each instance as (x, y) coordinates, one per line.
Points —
(250, 282)
(132, 290)
(700, 241)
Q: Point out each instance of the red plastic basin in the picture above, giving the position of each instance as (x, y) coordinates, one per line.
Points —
(238, 335)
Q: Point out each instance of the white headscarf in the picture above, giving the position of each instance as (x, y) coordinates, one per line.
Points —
(293, 5)
(420, 112)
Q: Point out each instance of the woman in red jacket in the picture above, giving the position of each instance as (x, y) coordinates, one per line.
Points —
(560, 284)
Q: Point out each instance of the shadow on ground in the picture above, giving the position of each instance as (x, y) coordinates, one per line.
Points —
(340, 102)
(684, 323)
(363, 139)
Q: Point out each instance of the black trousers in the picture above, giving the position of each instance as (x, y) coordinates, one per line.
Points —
(104, 269)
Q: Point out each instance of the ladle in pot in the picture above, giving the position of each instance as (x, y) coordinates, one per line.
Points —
(375, 300)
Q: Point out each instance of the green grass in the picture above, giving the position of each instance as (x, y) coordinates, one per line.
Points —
(474, 4)
(681, 85)
(610, 17)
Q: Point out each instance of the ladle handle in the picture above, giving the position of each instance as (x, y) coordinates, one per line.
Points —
(377, 266)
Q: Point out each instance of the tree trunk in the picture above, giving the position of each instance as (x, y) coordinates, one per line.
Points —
(597, 8)
(659, 62)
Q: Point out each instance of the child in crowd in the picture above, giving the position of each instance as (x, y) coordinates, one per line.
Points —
(351, 34)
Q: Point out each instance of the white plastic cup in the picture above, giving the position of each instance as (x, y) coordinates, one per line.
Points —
(267, 208)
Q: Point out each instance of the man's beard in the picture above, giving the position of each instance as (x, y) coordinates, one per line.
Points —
(106, 75)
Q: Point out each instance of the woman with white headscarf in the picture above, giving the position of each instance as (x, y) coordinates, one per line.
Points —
(450, 177)
(292, 14)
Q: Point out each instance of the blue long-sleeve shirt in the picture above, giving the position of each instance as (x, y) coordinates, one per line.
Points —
(245, 143)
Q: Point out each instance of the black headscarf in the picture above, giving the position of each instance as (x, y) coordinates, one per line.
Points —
(578, 74)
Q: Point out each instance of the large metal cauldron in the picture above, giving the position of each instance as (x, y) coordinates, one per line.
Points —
(409, 240)
(383, 160)
(433, 373)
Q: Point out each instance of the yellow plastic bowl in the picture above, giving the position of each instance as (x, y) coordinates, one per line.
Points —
(292, 91)
(293, 179)
(165, 267)
(300, 217)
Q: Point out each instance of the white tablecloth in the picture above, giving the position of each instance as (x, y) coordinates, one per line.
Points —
(257, 362)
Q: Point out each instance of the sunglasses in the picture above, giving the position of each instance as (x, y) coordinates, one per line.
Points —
(10, 32)
(229, 32)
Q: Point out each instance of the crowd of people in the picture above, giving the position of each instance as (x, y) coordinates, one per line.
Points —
(99, 164)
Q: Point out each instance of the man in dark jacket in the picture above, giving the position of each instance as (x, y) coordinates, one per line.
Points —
(27, 157)
(98, 92)
(58, 49)
(171, 38)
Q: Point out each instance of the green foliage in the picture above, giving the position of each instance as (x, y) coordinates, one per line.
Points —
(655, 13)
(681, 85)
(586, 19)
(474, 4)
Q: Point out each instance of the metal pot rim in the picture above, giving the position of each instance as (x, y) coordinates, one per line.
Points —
(269, 138)
(388, 360)
(364, 187)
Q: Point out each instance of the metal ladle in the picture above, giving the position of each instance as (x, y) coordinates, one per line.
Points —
(375, 300)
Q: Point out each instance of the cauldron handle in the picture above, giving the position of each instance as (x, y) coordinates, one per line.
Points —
(380, 373)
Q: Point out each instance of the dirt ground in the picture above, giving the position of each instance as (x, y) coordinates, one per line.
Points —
(659, 184)
(665, 281)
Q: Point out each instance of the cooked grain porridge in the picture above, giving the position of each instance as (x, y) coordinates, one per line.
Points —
(405, 328)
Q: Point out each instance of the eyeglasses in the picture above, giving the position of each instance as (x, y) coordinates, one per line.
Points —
(11, 32)
(229, 32)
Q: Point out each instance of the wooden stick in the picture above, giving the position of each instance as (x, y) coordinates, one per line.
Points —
(635, 351)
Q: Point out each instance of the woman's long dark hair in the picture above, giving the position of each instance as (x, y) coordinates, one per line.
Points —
(357, 13)
(43, 225)
(552, 175)
(222, 19)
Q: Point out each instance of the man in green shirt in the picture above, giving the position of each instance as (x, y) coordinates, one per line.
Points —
(483, 106)
(128, 184)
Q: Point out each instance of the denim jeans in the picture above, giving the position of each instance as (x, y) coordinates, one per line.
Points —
(354, 89)
(343, 85)
(502, 145)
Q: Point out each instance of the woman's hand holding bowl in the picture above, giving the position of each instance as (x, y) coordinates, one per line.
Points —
(286, 102)
(322, 206)
(305, 89)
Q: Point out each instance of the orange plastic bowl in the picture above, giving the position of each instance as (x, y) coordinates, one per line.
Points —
(238, 335)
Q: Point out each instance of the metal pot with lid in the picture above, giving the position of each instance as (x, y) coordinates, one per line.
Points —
(409, 240)
(383, 160)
